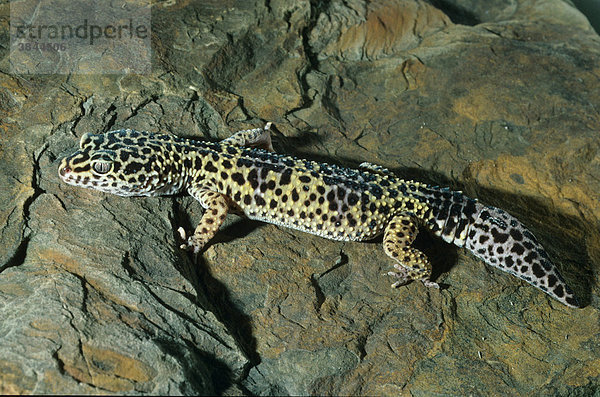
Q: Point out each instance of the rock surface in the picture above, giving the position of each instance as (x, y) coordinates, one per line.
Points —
(501, 101)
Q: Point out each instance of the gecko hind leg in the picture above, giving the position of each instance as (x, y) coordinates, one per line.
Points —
(257, 137)
(411, 264)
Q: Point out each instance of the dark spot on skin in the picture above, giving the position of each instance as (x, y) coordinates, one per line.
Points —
(226, 164)
(330, 196)
(572, 301)
(253, 178)
(285, 177)
(290, 212)
(547, 265)
(320, 189)
(559, 291)
(312, 197)
(499, 237)
(517, 249)
(132, 168)
(537, 270)
(247, 199)
(295, 196)
(524, 269)
(263, 187)
(318, 211)
(509, 262)
(284, 198)
(516, 235)
(530, 257)
(264, 172)
(333, 206)
(239, 178)
(224, 175)
(483, 238)
(259, 200)
(278, 192)
(304, 179)
(273, 204)
(271, 185)
(484, 215)
(500, 250)
(237, 196)
(324, 217)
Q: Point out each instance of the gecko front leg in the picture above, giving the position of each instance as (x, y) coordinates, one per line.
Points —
(216, 207)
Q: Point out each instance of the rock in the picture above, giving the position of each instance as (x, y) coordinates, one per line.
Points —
(499, 100)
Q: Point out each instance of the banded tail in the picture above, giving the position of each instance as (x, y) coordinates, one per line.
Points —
(496, 237)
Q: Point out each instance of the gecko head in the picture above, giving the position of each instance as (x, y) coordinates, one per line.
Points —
(502, 241)
(117, 162)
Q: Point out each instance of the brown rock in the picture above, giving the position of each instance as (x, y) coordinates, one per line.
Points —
(498, 99)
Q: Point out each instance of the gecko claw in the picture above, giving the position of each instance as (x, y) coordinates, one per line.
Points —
(190, 243)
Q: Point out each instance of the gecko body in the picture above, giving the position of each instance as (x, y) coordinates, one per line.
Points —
(242, 174)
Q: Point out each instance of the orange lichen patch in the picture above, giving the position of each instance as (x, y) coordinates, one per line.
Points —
(71, 262)
(484, 103)
(108, 369)
(15, 290)
(431, 144)
(283, 94)
(60, 259)
(13, 379)
(391, 26)
(44, 324)
(518, 175)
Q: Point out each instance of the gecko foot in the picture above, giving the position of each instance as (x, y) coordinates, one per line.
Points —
(190, 243)
(404, 278)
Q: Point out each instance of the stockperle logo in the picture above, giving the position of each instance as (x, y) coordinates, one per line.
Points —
(80, 36)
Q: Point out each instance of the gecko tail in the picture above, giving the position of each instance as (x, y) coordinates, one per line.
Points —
(502, 241)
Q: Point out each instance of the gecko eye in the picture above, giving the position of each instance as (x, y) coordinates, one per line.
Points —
(102, 167)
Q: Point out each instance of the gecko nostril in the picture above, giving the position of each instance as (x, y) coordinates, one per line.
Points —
(65, 170)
